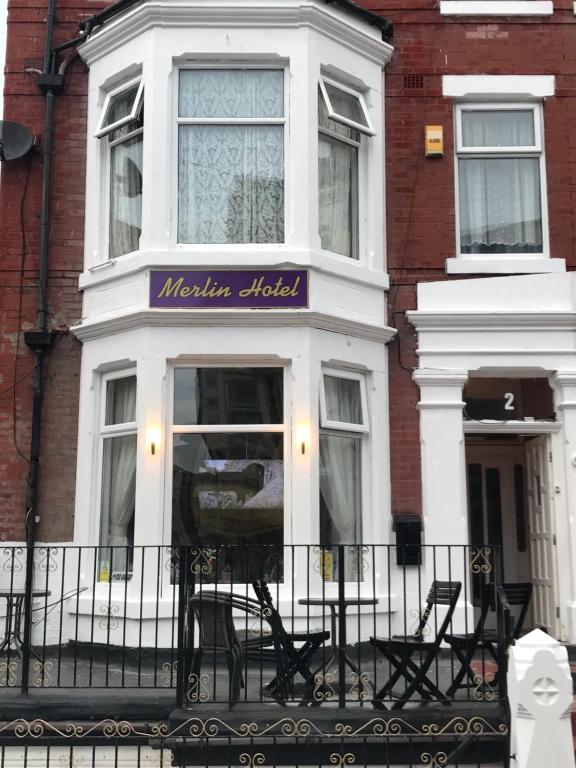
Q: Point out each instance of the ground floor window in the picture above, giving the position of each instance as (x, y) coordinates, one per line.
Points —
(228, 463)
(343, 427)
(118, 441)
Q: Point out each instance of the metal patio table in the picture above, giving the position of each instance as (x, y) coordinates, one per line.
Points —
(333, 603)
(13, 619)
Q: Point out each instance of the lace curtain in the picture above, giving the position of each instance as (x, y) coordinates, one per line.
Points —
(231, 177)
(500, 207)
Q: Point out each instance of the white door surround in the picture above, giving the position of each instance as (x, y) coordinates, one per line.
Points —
(514, 327)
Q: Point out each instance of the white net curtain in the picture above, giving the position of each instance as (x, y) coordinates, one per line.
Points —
(231, 176)
(500, 207)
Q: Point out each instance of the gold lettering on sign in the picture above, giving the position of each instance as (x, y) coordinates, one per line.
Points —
(278, 289)
(209, 290)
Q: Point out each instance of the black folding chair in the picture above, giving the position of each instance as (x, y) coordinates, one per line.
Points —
(413, 655)
(484, 641)
(294, 659)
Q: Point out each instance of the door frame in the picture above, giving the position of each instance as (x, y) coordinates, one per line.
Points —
(559, 519)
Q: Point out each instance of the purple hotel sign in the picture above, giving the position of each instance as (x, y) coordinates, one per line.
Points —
(219, 289)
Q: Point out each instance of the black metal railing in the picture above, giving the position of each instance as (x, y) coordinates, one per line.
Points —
(350, 625)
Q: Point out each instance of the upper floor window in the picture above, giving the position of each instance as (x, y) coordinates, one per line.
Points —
(342, 119)
(500, 177)
(122, 123)
(231, 156)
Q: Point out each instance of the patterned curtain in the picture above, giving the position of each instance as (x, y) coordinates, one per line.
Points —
(231, 177)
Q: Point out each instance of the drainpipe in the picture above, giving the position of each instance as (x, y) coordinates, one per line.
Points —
(40, 339)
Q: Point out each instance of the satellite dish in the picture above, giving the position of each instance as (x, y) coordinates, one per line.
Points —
(15, 140)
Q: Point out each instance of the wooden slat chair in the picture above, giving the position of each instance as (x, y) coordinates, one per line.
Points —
(413, 655)
(484, 641)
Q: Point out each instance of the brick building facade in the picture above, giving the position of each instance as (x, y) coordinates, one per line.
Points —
(248, 309)
(430, 44)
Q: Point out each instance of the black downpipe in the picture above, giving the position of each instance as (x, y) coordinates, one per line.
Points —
(39, 342)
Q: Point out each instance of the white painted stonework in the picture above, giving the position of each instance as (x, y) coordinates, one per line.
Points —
(540, 695)
(491, 86)
(343, 327)
(307, 39)
(496, 7)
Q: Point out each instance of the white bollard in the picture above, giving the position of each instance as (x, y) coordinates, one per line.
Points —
(540, 695)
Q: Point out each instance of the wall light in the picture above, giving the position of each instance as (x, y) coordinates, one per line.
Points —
(303, 437)
(153, 439)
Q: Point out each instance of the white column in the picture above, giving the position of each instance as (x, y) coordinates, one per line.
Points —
(159, 164)
(444, 505)
(564, 384)
(443, 460)
(151, 566)
(540, 695)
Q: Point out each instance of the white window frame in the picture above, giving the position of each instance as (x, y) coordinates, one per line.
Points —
(360, 432)
(344, 426)
(366, 129)
(106, 432)
(175, 429)
(105, 147)
(537, 151)
(137, 105)
(360, 224)
(178, 121)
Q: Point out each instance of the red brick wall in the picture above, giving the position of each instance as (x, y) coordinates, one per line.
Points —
(20, 203)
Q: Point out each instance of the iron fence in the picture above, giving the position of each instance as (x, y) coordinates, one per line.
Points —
(357, 626)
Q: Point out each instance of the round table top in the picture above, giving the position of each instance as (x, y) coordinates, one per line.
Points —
(335, 601)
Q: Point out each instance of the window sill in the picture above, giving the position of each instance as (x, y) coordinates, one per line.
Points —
(502, 265)
(496, 7)
(244, 257)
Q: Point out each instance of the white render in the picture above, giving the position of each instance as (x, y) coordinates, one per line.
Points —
(509, 327)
